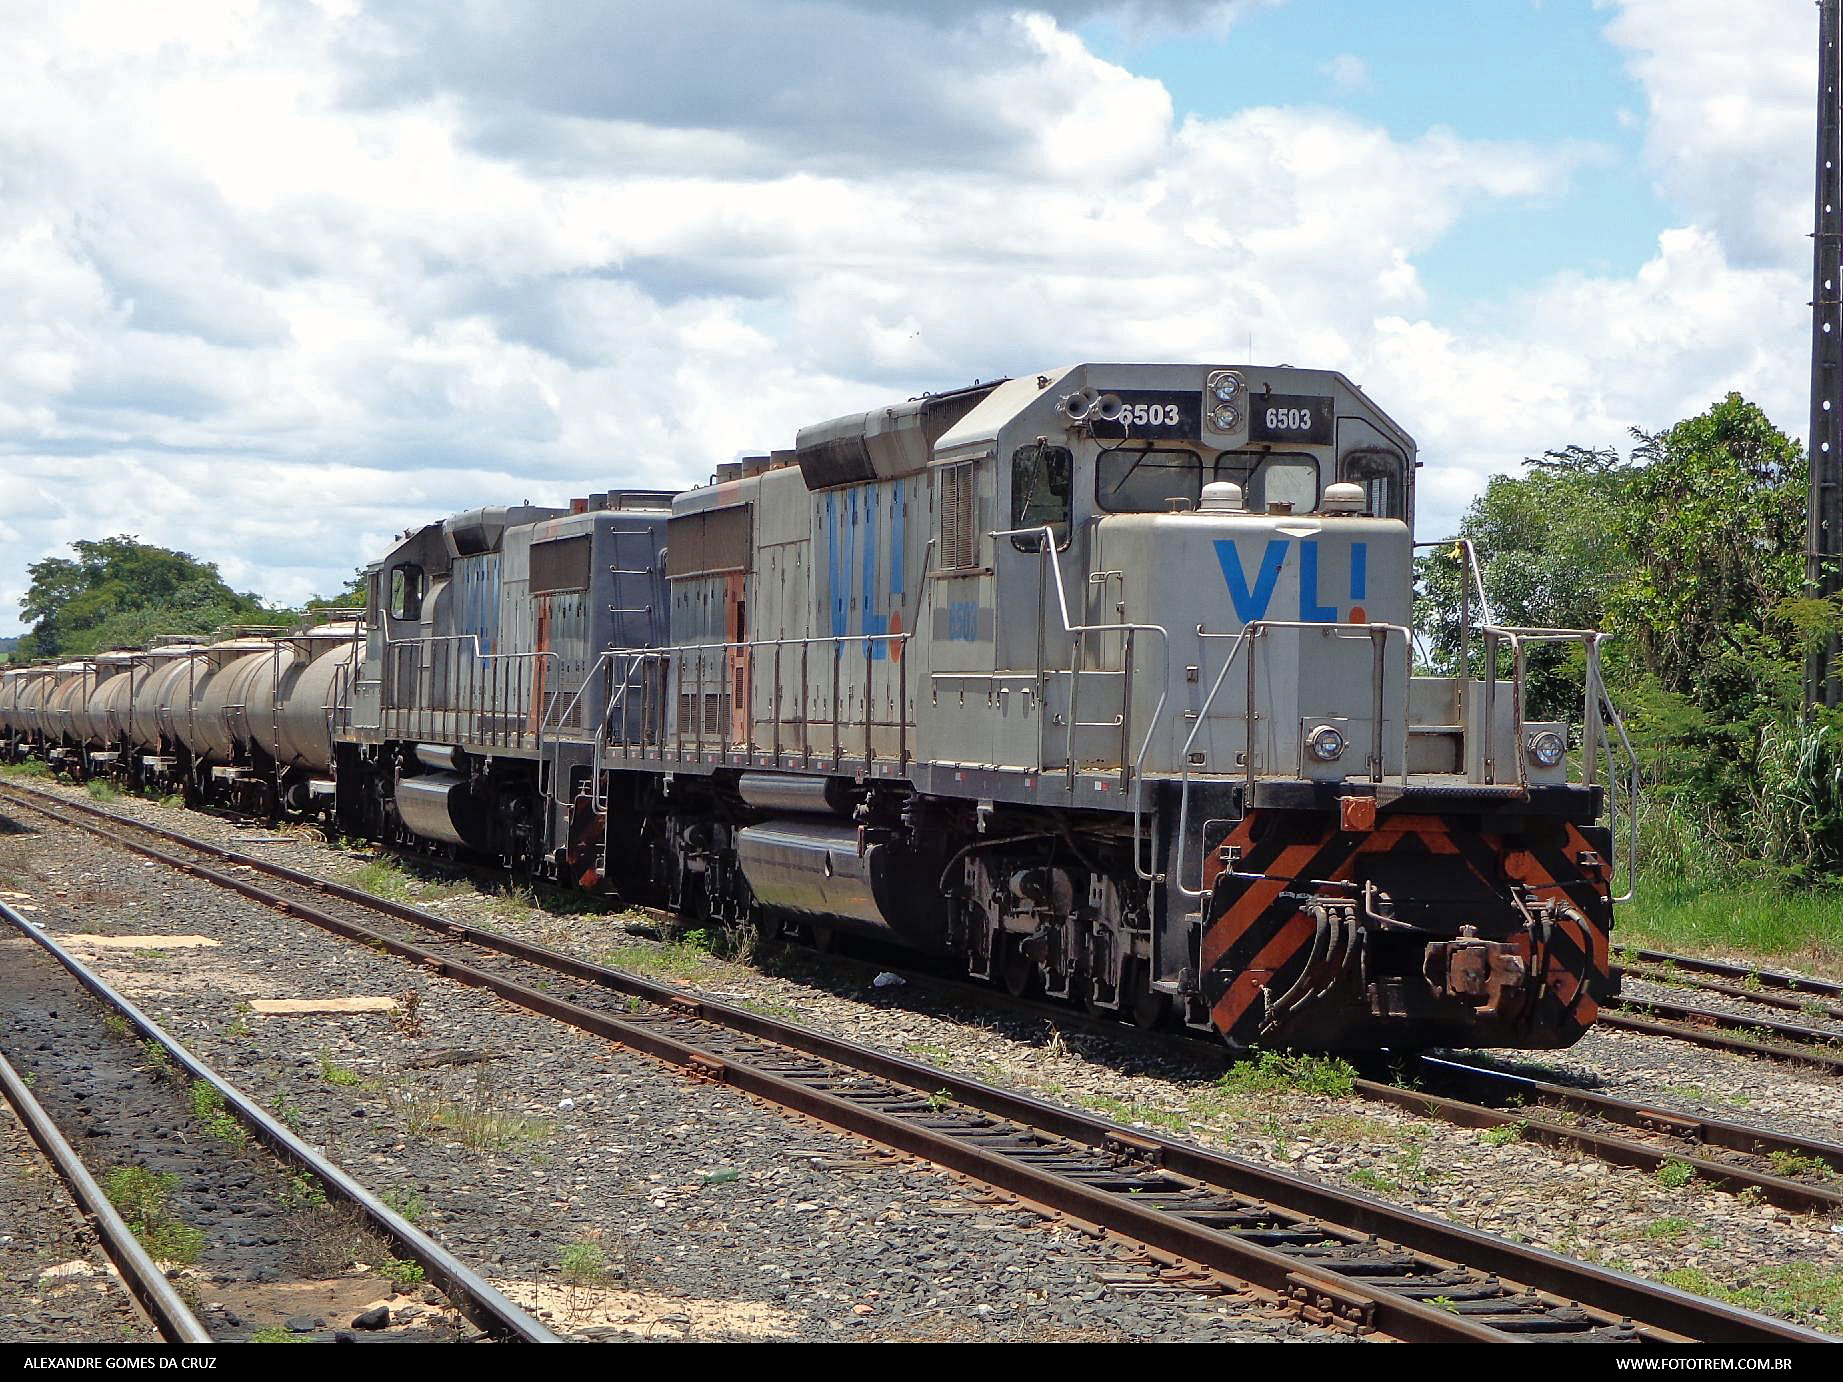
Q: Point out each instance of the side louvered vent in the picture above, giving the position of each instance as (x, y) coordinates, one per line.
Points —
(959, 537)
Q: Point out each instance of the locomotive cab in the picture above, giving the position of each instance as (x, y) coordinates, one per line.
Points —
(1200, 594)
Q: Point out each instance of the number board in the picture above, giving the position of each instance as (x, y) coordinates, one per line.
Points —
(1295, 417)
(1154, 413)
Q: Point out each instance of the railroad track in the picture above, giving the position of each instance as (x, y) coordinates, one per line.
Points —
(142, 1277)
(1822, 999)
(1745, 981)
(1621, 1132)
(496, 1317)
(1339, 1259)
(1791, 1043)
(1799, 1174)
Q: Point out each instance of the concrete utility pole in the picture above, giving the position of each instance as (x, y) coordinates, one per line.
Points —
(1824, 521)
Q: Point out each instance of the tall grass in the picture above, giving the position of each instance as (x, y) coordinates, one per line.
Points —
(1681, 838)
(1760, 879)
(1797, 818)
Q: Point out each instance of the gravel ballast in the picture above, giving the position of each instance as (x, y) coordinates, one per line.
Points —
(1655, 1226)
(616, 1197)
(56, 1284)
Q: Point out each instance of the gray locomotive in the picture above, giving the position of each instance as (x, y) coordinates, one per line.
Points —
(1100, 679)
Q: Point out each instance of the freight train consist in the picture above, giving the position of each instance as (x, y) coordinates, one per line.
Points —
(1101, 680)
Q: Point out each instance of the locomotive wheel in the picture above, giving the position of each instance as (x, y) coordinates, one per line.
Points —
(1016, 969)
(1151, 1010)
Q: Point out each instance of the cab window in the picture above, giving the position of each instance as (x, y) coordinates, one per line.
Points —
(406, 584)
(1271, 477)
(1041, 486)
(1141, 481)
(1379, 470)
(1285, 480)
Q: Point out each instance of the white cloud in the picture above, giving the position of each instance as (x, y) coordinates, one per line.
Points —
(1347, 72)
(1732, 96)
(287, 278)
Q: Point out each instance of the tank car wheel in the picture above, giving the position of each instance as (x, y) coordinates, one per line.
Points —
(823, 938)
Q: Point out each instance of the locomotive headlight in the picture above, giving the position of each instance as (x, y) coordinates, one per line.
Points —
(1325, 744)
(1222, 394)
(1546, 748)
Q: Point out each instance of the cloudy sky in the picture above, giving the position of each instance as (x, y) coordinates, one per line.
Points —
(279, 278)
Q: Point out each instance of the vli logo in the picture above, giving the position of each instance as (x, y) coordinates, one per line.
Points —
(1252, 599)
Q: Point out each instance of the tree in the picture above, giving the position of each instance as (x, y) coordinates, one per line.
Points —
(356, 595)
(1715, 522)
(120, 592)
(1690, 556)
(1549, 555)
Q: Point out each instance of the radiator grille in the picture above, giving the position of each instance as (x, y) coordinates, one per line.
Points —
(959, 538)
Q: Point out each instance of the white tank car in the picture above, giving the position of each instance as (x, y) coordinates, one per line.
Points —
(292, 692)
(203, 702)
(153, 690)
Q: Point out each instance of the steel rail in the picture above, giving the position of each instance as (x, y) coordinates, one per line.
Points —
(1437, 1079)
(1724, 1032)
(1741, 973)
(1542, 1300)
(1694, 1130)
(1765, 998)
(477, 1298)
(140, 1274)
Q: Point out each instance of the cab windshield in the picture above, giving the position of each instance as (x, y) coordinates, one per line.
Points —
(1143, 480)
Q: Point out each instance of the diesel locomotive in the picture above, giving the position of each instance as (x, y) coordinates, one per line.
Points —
(1099, 681)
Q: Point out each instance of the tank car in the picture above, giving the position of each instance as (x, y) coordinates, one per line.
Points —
(1098, 680)
(244, 721)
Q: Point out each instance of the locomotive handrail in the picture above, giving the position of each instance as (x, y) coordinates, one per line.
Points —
(1474, 569)
(1251, 632)
(594, 667)
(618, 697)
(1632, 778)
(424, 715)
(1597, 700)
(556, 761)
(673, 657)
(1465, 546)
(1046, 552)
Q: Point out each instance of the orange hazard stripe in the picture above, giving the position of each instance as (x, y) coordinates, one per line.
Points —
(1273, 956)
(1229, 928)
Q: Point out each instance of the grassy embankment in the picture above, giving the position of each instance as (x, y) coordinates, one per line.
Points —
(1745, 919)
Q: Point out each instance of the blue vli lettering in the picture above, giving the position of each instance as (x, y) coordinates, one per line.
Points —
(1310, 611)
(1251, 602)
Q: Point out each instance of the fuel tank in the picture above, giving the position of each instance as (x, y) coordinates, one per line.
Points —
(438, 806)
(813, 869)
